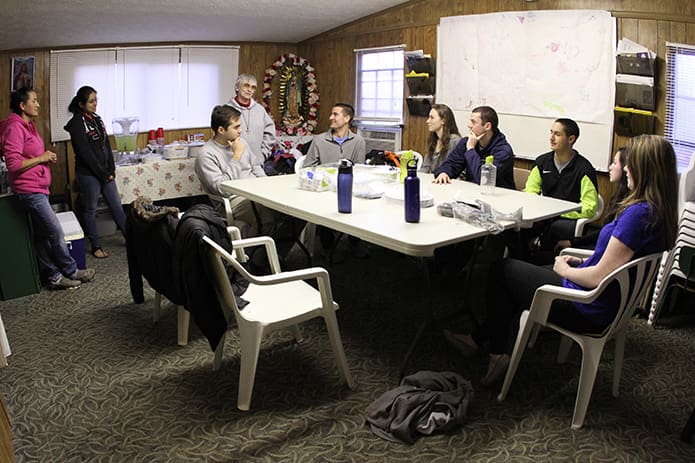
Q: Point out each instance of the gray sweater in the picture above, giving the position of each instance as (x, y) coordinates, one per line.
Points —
(258, 129)
(432, 162)
(325, 150)
(215, 164)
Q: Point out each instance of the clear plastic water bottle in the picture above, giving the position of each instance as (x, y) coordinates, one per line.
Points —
(411, 193)
(488, 177)
(345, 186)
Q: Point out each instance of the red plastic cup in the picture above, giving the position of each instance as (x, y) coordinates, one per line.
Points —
(151, 135)
(160, 132)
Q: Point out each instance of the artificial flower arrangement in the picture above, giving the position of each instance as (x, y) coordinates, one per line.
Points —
(309, 119)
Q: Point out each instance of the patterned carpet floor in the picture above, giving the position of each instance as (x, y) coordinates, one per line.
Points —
(92, 379)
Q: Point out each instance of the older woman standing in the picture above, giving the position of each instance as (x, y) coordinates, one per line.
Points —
(29, 175)
(94, 166)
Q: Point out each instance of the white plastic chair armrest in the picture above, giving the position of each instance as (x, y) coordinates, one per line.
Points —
(318, 273)
(569, 294)
(292, 275)
(235, 234)
(579, 226)
(547, 294)
(576, 252)
(228, 209)
(267, 241)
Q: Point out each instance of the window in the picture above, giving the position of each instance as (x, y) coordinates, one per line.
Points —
(680, 101)
(379, 89)
(174, 87)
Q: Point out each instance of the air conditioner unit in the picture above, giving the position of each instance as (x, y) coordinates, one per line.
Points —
(381, 138)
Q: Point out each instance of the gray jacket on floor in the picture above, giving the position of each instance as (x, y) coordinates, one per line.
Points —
(425, 402)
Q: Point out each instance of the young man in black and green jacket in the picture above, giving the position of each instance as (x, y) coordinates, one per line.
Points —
(565, 174)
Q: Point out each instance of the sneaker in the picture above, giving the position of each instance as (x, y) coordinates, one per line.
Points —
(64, 283)
(84, 275)
(496, 370)
(462, 343)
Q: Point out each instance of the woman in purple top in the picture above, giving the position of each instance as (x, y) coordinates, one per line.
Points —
(645, 223)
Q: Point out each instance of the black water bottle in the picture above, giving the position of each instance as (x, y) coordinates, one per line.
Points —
(345, 186)
(411, 184)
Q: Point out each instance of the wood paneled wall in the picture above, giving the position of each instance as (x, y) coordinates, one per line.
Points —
(648, 22)
(254, 58)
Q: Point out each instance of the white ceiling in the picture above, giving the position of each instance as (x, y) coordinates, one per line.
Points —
(30, 24)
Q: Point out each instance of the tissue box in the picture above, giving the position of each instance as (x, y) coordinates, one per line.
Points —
(74, 237)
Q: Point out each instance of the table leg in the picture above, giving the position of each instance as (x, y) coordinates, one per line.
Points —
(429, 317)
(425, 292)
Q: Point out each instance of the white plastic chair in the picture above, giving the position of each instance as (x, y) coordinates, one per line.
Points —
(276, 301)
(579, 227)
(686, 184)
(520, 177)
(183, 316)
(634, 280)
(4, 345)
(670, 264)
(299, 163)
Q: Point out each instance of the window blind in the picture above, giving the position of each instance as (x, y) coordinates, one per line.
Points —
(680, 101)
(174, 87)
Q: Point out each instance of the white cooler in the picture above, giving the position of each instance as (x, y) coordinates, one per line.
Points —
(74, 237)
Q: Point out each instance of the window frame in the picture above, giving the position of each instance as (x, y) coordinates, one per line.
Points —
(396, 117)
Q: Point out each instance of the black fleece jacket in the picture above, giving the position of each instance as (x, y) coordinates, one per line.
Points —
(93, 155)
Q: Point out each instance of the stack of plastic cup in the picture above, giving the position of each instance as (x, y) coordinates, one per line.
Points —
(160, 136)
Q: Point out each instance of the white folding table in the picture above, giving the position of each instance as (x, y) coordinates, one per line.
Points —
(382, 221)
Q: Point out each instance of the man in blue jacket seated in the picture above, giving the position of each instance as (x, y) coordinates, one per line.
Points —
(484, 139)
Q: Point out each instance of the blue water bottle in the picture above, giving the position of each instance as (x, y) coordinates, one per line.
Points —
(411, 195)
(345, 186)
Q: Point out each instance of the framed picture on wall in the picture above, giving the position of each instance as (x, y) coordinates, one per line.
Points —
(22, 72)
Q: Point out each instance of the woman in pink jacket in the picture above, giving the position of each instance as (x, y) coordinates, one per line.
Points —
(29, 176)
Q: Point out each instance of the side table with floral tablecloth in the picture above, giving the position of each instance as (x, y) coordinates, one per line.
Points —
(158, 180)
